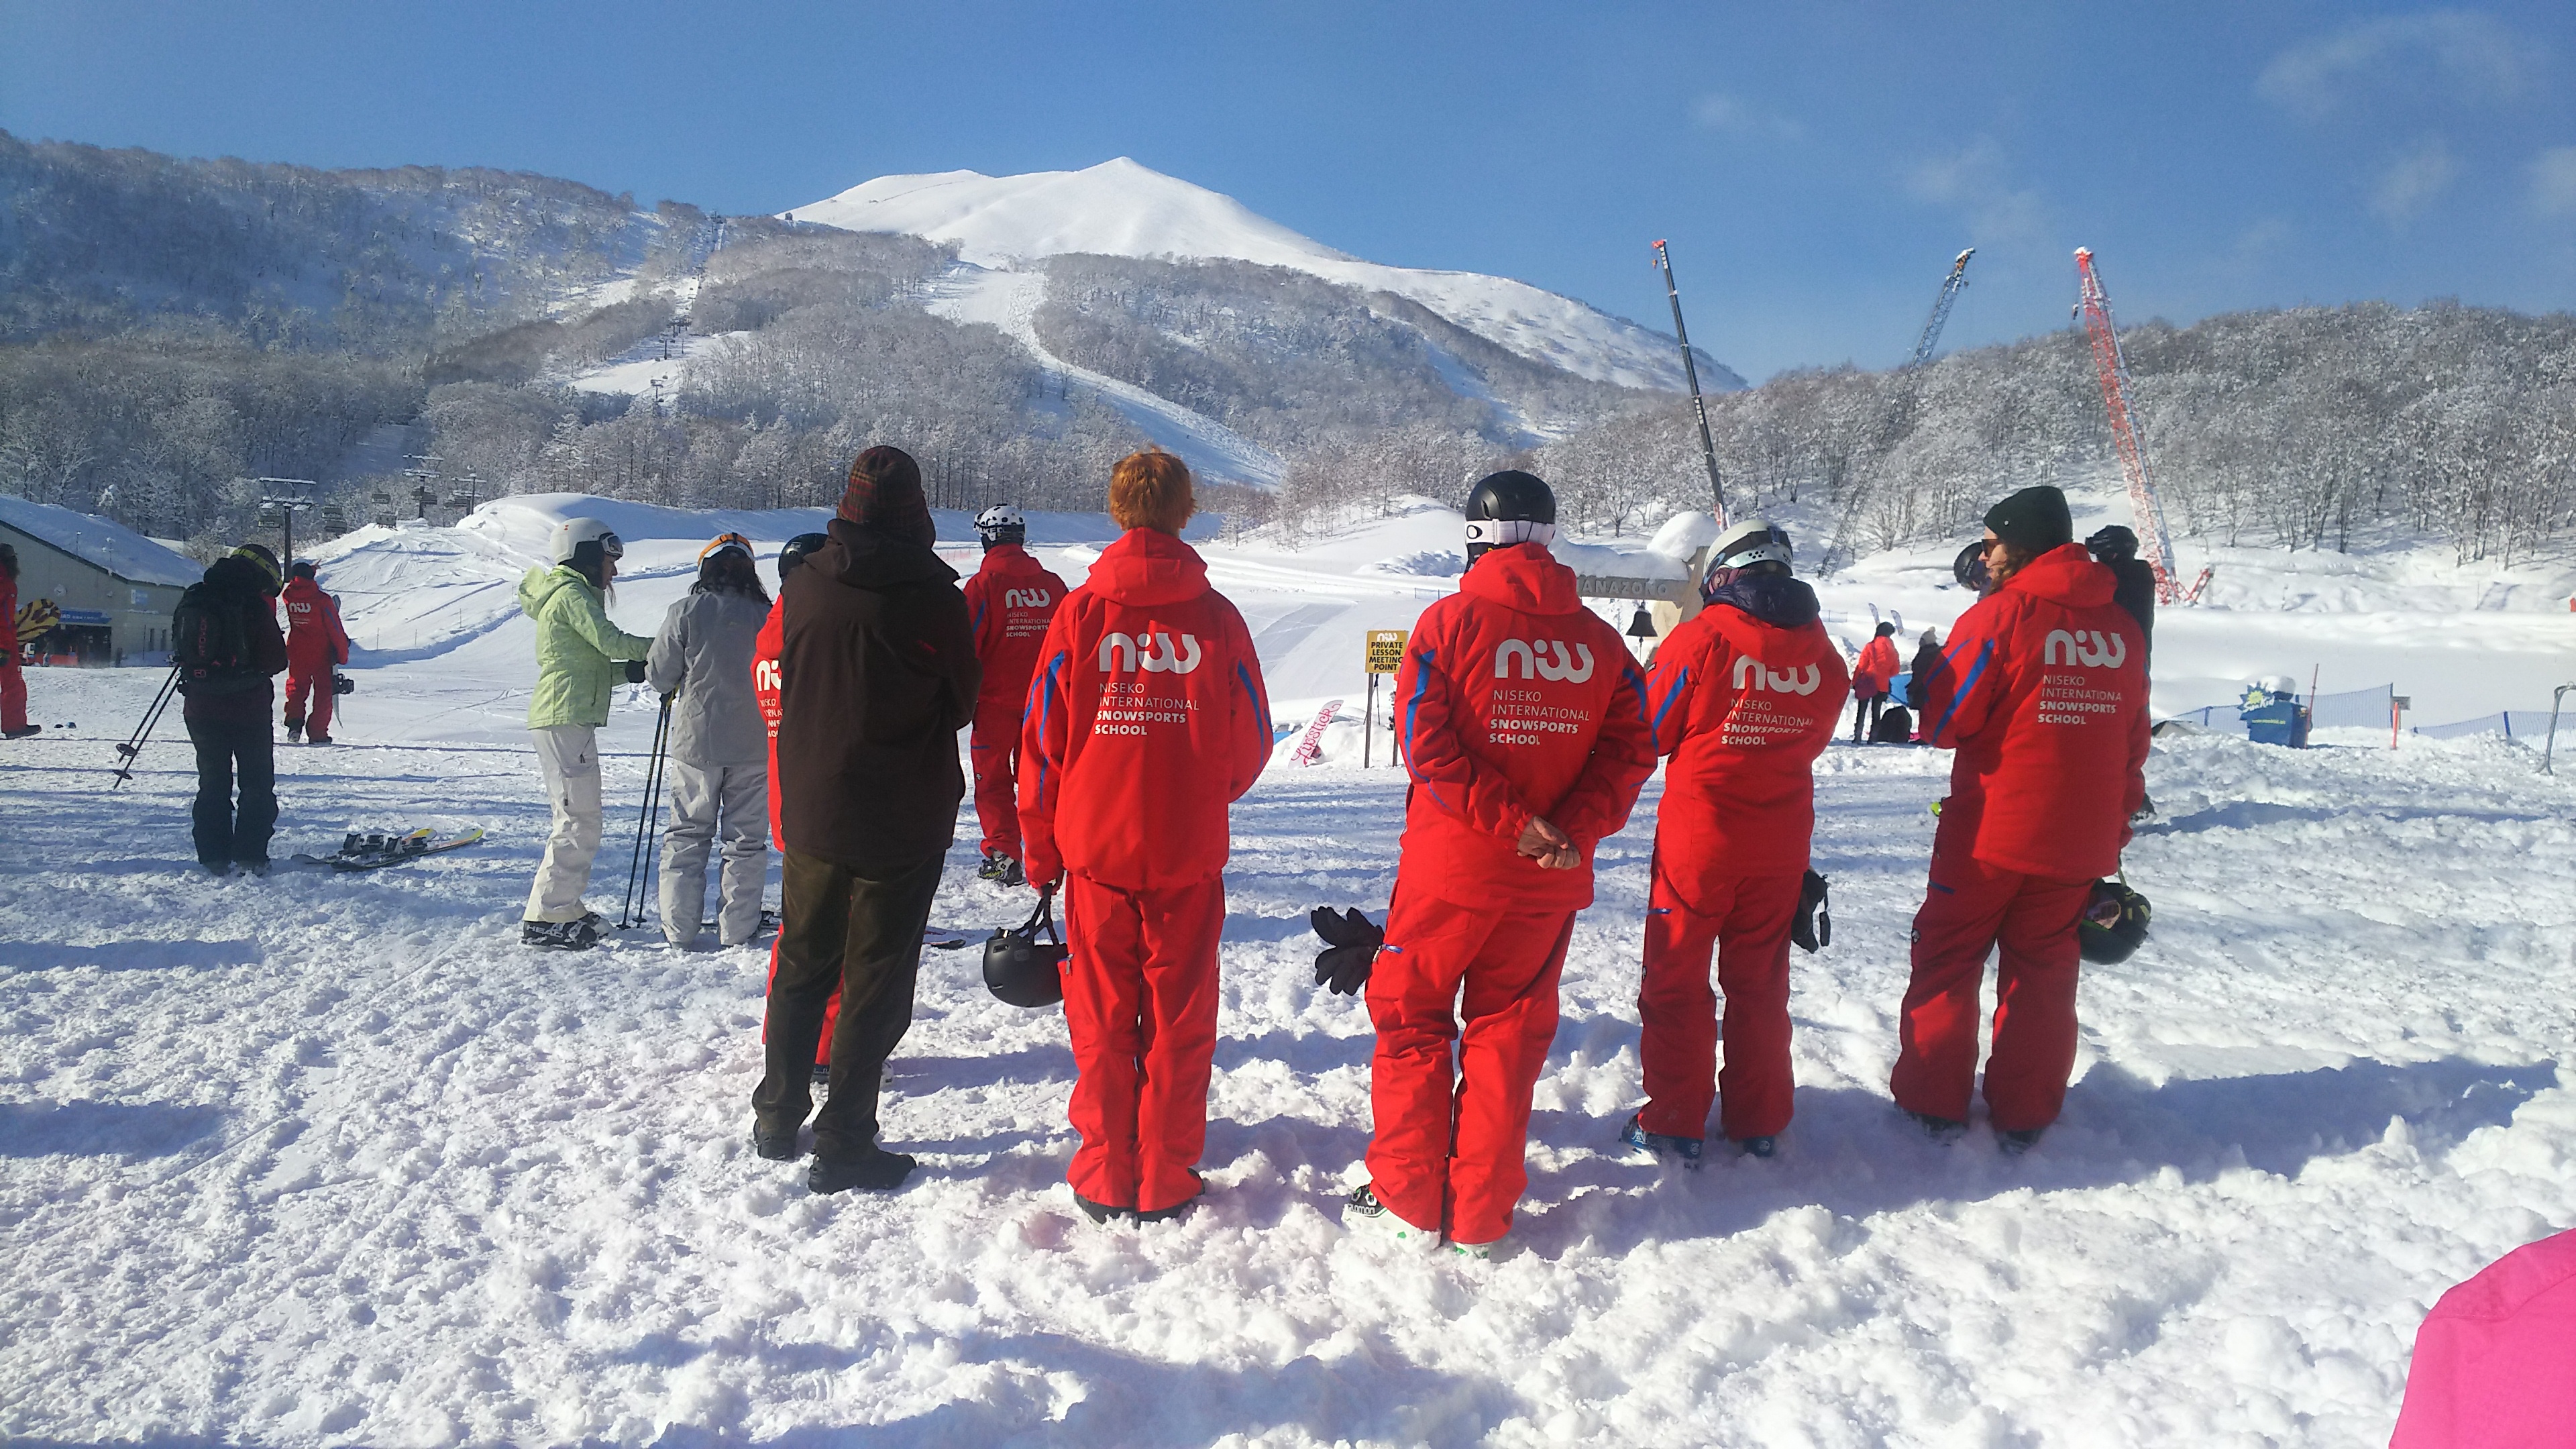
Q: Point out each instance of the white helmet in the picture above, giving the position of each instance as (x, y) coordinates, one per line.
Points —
(572, 533)
(1746, 544)
(1001, 518)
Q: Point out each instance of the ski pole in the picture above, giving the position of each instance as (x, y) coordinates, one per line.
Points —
(653, 809)
(133, 745)
(629, 915)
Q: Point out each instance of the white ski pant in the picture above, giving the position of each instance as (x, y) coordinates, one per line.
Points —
(731, 801)
(569, 757)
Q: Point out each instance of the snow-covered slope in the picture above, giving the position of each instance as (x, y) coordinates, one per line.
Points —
(1119, 208)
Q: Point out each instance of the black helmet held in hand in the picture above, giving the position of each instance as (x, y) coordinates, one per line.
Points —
(1022, 970)
(2114, 924)
(2112, 544)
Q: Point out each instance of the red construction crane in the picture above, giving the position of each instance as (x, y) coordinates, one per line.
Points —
(2113, 370)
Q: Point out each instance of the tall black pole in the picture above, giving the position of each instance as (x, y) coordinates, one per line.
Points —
(1690, 369)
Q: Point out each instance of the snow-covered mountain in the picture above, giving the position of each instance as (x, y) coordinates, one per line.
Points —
(1123, 209)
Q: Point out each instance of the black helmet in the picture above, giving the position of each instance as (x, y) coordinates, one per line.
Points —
(1507, 508)
(2114, 924)
(792, 553)
(1970, 567)
(1021, 969)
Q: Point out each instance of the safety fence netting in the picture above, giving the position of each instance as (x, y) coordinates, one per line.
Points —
(2369, 709)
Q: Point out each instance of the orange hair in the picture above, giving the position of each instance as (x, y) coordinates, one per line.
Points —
(1151, 489)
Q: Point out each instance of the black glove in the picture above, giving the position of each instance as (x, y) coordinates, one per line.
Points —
(2113, 545)
(635, 671)
(1350, 947)
(343, 684)
(1813, 929)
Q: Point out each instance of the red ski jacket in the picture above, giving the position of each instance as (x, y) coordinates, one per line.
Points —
(1513, 701)
(765, 649)
(1012, 598)
(2043, 692)
(1145, 720)
(314, 639)
(1743, 707)
(1876, 668)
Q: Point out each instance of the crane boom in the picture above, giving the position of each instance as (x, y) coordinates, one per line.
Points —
(2112, 368)
(1940, 317)
(1690, 369)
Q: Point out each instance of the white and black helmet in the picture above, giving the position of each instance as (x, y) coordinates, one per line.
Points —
(1746, 544)
(1002, 523)
(572, 533)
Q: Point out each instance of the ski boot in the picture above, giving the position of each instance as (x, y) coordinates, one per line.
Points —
(1761, 1147)
(878, 1171)
(22, 731)
(775, 1146)
(2014, 1144)
(1684, 1150)
(318, 739)
(1940, 1129)
(1180, 1209)
(1000, 867)
(1363, 1213)
(295, 732)
(578, 935)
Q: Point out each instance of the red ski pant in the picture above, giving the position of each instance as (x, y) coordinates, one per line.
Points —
(994, 747)
(316, 683)
(831, 1006)
(1746, 919)
(1140, 991)
(1970, 909)
(1451, 1136)
(13, 683)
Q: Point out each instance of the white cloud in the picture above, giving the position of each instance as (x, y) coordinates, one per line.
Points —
(2553, 182)
(1736, 116)
(2412, 182)
(2457, 55)
(1977, 183)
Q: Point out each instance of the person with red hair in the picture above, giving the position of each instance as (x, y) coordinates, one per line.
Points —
(1145, 721)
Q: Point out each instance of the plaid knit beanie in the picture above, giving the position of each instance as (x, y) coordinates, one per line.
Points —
(885, 494)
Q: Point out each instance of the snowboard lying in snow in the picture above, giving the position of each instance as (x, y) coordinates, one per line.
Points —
(362, 851)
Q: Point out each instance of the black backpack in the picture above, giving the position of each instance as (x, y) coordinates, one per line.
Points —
(210, 641)
(1894, 726)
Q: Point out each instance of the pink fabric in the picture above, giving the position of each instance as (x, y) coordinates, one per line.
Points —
(2495, 1362)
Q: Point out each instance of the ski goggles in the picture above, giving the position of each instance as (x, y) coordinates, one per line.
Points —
(1501, 532)
(725, 541)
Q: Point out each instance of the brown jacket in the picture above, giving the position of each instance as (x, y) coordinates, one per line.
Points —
(877, 675)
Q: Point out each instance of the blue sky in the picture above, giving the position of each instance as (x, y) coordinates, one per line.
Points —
(1815, 166)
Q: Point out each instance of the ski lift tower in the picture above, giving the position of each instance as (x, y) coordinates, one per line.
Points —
(1950, 286)
(280, 500)
(1690, 370)
(424, 477)
(2112, 368)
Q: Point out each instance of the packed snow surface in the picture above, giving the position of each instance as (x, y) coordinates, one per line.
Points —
(326, 1159)
(1120, 208)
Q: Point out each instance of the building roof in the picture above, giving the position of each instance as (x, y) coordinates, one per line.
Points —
(110, 545)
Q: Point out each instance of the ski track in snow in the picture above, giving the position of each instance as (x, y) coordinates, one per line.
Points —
(331, 1159)
(1009, 299)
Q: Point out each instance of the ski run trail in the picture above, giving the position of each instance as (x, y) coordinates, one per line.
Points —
(322, 1159)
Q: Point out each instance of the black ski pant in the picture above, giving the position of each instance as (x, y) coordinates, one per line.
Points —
(862, 932)
(227, 748)
(1865, 708)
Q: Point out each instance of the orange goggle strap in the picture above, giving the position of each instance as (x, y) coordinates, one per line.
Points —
(726, 540)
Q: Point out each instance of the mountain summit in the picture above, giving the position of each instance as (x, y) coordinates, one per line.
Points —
(1123, 209)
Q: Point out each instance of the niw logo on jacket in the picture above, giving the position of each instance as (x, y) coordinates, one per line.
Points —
(1547, 659)
(2091, 648)
(1026, 598)
(1125, 654)
(1752, 673)
(764, 674)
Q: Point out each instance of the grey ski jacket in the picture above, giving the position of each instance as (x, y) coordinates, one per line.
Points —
(704, 652)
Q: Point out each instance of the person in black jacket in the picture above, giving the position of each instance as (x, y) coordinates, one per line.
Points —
(230, 703)
(877, 674)
(2133, 583)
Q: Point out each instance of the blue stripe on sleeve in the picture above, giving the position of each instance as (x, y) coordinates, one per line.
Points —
(1977, 671)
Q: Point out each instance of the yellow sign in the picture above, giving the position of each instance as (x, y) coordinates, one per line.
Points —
(1386, 649)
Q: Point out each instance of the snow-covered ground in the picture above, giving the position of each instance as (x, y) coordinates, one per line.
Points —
(319, 1159)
